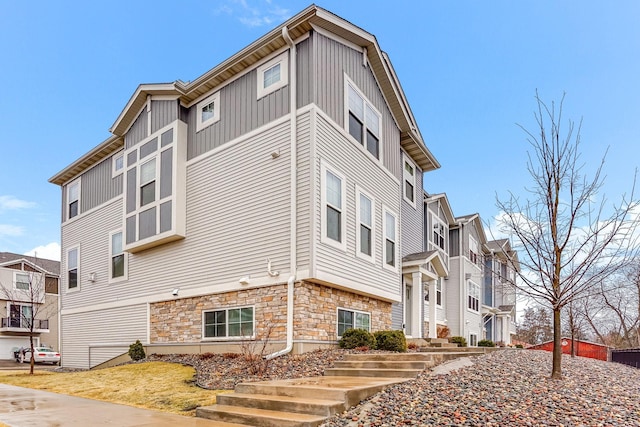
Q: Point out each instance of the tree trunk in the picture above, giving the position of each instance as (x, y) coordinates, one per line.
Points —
(32, 361)
(556, 371)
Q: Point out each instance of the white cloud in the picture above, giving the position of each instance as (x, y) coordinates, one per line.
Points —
(13, 203)
(11, 230)
(48, 251)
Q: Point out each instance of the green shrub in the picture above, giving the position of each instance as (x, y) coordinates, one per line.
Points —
(519, 346)
(486, 343)
(391, 341)
(353, 338)
(136, 351)
(461, 341)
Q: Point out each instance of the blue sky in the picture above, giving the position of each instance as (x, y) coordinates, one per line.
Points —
(469, 69)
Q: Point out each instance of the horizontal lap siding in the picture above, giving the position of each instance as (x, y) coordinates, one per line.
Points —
(303, 215)
(348, 159)
(412, 222)
(118, 326)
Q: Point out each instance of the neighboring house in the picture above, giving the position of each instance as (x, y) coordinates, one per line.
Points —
(582, 348)
(26, 282)
(277, 195)
(498, 292)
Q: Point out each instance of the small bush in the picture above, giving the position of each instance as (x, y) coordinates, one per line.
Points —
(486, 343)
(519, 346)
(461, 341)
(363, 349)
(136, 351)
(391, 341)
(354, 338)
(443, 331)
(412, 346)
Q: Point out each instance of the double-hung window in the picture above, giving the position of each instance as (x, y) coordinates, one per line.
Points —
(73, 199)
(473, 295)
(118, 260)
(148, 182)
(333, 205)
(73, 264)
(473, 250)
(409, 178)
(229, 323)
(439, 292)
(22, 281)
(363, 120)
(352, 319)
(439, 233)
(390, 238)
(365, 235)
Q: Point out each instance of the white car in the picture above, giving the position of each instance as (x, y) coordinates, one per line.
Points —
(41, 355)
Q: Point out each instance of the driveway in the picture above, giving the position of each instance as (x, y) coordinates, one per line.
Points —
(10, 365)
(25, 407)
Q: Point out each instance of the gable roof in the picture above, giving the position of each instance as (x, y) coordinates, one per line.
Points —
(475, 220)
(446, 206)
(47, 266)
(313, 16)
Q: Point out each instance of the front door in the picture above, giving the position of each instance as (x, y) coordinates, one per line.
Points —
(408, 309)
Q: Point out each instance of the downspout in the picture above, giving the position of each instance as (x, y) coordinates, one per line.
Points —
(293, 108)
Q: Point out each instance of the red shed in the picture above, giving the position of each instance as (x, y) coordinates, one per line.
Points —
(583, 348)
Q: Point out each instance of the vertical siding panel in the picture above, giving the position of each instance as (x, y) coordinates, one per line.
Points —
(305, 73)
(138, 130)
(98, 186)
(163, 113)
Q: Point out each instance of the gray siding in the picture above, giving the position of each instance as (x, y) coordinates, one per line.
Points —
(333, 60)
(413, 221)
(306, 72)
(304, 193)
(348, 158)
(240, 113)
(238, 208)
(454, 242)
(97, 186)
(397, 310)
(138, 130)
(163, 113)
(84, 335)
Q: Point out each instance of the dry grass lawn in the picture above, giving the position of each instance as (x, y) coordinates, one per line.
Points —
(162, 386)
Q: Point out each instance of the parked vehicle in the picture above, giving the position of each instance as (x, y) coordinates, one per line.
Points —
(41, 355)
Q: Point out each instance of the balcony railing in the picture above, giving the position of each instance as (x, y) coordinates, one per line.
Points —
(19, 323)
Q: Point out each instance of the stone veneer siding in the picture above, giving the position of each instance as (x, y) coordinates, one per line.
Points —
(315, 313)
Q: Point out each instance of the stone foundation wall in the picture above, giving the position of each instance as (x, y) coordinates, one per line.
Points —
(315, 313)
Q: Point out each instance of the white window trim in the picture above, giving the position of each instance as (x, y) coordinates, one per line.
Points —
(124, 253)
(342, 245)
(439, 282)
(22, 273)
(471, 343)
(412, 179)
(348, 82)
(215, 98)
(435, 219)
(479, 296)
(228, 338)
(66, 270)
(77, 181)
(283, 60)
(354, 317)
(115, 172)
(371, 258)
(386, 210)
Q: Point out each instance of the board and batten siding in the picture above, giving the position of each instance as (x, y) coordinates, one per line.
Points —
(240, 113)
(306, 72)
(333, 59)
(138, 130)
(98, 186)
(91, 338)
(163, 113)
(350, 159)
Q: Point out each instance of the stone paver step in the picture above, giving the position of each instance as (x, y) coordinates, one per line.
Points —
(383, 364)
(302, 405)
(258, 417)
(373, 372)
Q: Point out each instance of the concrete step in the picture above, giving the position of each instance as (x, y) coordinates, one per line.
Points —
(301, 405)
(451, 350)
(258, 417)
(437, 341)
(443, 345)
(374, 372)
(389, 357)
(383, 364)
(350, 390)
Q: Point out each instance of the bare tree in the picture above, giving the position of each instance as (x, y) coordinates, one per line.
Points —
(28, 310)
(567, 242)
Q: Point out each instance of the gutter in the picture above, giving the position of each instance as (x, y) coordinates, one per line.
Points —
(293, 109)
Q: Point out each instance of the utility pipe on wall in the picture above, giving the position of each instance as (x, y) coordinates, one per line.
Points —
(293, 108)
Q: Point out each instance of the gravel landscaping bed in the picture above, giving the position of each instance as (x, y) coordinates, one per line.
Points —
(508, 388)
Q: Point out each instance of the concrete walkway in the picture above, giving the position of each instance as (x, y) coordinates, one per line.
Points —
(24, 407)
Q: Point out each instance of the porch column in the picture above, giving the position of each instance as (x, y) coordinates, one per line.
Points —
(433, 329)
(507, 330)
(418, 301)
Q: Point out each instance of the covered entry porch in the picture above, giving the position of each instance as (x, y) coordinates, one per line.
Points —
(421, 273)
